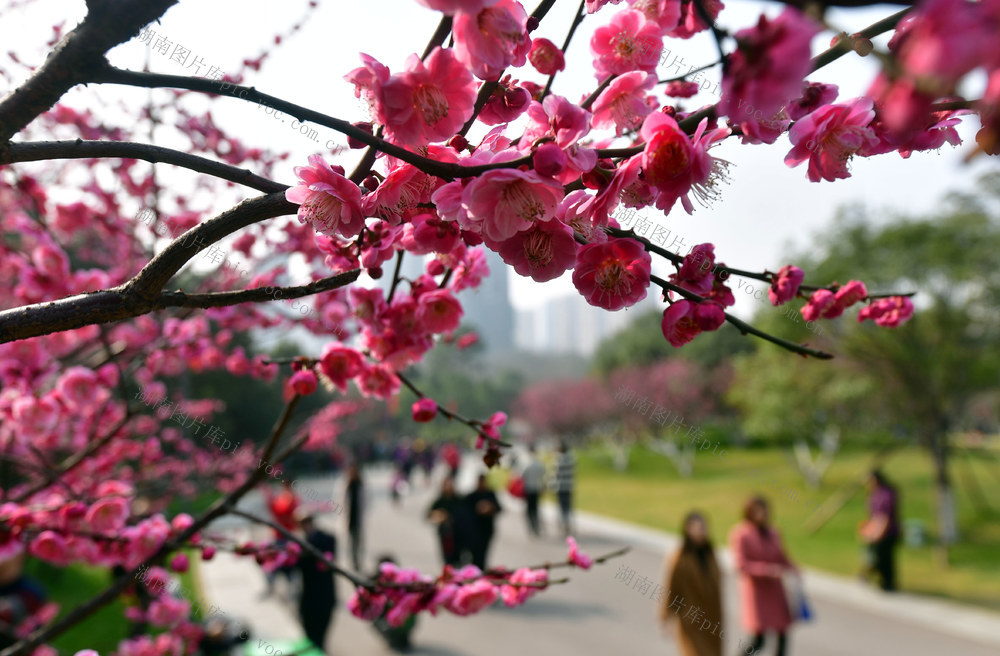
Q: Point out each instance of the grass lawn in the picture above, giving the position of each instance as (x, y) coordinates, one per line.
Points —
(75, 585)
(651, 493)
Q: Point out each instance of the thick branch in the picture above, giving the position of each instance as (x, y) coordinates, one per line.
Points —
(148, 283)
(225, 299)
(75, 58)
(79, 149)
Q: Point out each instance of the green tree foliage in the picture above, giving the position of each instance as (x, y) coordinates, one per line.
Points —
(923, 375)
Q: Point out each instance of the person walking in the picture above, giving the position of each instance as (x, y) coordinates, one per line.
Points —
(354, 500)
(319, 591)
(483, 505)
(692, 575)
(881, 530)
(533, 478)
(447, 513)
(283, 507)
(761, 562)
(565, 473)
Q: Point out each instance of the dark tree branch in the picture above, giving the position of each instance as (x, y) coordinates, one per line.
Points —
(148, 283)
(79, 149)
(580, 13)
(743, 326)
(444, 170)
(75, 58)
(144, 293)
(225, 299)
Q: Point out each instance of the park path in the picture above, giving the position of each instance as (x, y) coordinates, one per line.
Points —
(597, 612)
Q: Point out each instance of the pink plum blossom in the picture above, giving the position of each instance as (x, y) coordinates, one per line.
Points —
(503, 202)
(681, 89)
(821, 304)
(438, 311)
(767, 68)
(302, 382)
(613, 274)
(508, 101)
(623, 104)
(454, 6)
(691, 22)
(430, 101)
(577, 557)
(340, 364)
(676, 164)
(814, 95)
(830, 136)
(515, 595)
(629, 42)
(888, 312)
(424, 410)
(327, 200)
(492, 39)
(684, 320)
(473, 597)
(543, 252)
(546, 57)
(785, 284)
(665, 13)
(696, 271)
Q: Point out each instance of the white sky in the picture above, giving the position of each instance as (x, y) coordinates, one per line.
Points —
(766, 208)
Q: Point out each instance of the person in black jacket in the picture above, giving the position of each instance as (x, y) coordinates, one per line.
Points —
(319, 593)
(355, 512)
(448, 513)
(483, 506)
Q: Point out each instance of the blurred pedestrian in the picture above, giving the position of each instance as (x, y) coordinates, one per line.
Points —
(761, 562)
(881, 530)
(318, 599)
(692, 575)
(283, 507)
(533, 478)
(452, 457)
(565, 473)
(484, 506)
(355, 502)
(447, 513)
(397, 633)
(20, 598)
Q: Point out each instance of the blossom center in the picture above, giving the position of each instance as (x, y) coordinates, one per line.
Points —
(666, 160)
(322, 209)
(612, 275)
(431, 103)
(522, 202)
(538, 248)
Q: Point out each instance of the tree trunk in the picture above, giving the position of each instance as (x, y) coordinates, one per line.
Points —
(947, 524)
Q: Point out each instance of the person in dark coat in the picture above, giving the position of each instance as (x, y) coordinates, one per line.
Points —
(355, 512)
(693, 578)
(483, 505)
(448, 514)
(881, 530)
(319, 592)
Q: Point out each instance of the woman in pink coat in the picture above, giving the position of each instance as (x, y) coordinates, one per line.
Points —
(761, 562)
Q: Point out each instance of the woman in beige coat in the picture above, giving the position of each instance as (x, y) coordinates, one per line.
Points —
(694, 596)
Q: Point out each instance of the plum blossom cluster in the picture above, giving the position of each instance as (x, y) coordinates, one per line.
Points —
(179, 412)
(660, 415)
(399, 593)
(692, 614)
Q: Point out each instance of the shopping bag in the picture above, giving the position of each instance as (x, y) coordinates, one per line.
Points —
(516, 487)
(798, 604)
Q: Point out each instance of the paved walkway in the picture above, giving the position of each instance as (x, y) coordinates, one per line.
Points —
(596, 612)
